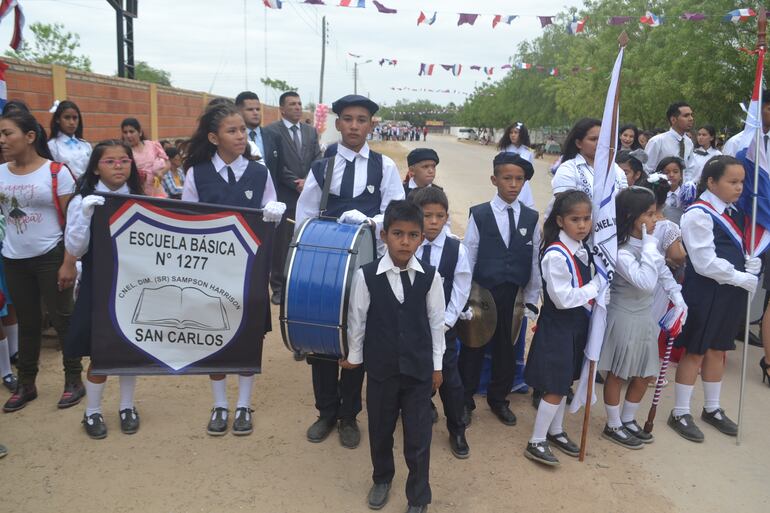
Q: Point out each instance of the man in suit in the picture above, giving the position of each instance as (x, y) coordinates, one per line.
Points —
(264, 143)
(298, 148)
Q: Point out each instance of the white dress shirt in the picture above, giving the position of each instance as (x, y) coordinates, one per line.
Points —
(288, 125)
(577, 174)
(558, 278)
(359, 306)
(77, 231)
(500, 211)
(239, 165)
(461, 284)
(522, 151)
(666, 145)
(646, 272)
(72, 151)
(734, 144)
(391, 187)
(692, 173)
(698, 237)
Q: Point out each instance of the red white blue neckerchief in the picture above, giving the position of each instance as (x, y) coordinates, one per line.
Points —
(723, 220)
(577, 278)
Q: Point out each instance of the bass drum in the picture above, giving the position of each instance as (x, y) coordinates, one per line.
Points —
(322, 258)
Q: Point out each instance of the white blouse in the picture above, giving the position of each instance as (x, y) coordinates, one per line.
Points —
(72, 151)
(558, 278)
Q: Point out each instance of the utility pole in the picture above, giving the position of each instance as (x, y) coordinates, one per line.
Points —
(355, 78)
(245, 50)
(124, 18)
(323, 59)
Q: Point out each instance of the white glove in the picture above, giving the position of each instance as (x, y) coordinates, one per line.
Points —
(89, 202)
(749, 283)
(466, 315)
(753, 265)
(678, 301)
(273, 211)
(353, 217)
(649, 242)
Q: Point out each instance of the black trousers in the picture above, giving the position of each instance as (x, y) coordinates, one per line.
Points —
(384, 400)
(503, 354)
(451, 390)
(283, 235)
(337, 391)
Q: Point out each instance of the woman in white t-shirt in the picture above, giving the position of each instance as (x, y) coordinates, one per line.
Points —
(36, 264)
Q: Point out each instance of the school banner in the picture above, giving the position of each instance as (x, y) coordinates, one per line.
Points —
(178, 287)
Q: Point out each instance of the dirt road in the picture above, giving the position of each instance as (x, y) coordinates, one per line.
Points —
(172, 466)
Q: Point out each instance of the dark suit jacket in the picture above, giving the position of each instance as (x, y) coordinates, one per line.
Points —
(273, 157)
(294, 166)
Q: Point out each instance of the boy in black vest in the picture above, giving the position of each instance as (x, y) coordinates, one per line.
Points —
(362, 184)
(396, 330)
(502, 239)
(450, 258)
(422, 169)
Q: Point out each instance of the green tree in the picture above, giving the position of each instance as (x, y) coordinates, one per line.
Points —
(418, 112)
(51, 44)
(277, 85)
(145, 72)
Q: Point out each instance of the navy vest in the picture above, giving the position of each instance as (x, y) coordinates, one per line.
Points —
(247, 192)
(724, 247)
(367, 202)
(446, 269)
(398, 338)
(571, 316)
(497, 264)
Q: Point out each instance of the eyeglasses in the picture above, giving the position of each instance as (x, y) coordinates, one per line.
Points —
(116, 162)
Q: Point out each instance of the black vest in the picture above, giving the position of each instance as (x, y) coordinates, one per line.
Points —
(497, 264)
(446, 269)
(398, 338)
(247, 192)
(367, 202)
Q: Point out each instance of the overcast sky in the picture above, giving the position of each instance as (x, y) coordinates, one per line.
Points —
(201, 42)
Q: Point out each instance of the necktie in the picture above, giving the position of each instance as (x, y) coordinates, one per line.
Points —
(348, 178)
(426, 254)
(295, 138)
(766, 139)
(511, 226)
(681, 148)
(405, 283)
(253, 135)
(230, 176)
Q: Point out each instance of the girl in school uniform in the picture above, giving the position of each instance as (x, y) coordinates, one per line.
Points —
(632, 164)
(681, 193)
(556, 355)
(707, 140)
(111, 168)
(66, 140)
(220, 171)
(628, 138)
(630, 347)
(515, 139)
(718, 278)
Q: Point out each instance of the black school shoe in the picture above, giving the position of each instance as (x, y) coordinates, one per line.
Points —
(378, 495)
(74, 391)
(541, 453)
(685, 426)
(10, 382)
(129, 421)
(564, 444)
(719, 420)
(95, 426)
(20, 398)
(320, 429)
(622, 437)
(218, 422)
(638, 432)
(504, 414)
(417, 509)
(350, 436)
(242, 424)
(459, 446)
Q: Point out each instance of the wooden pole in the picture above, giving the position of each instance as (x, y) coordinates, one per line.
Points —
(587, 414)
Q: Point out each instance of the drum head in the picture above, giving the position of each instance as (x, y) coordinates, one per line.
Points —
(479, 330)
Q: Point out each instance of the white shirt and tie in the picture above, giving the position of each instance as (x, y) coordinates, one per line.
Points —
(667, 144)
(295, 133)
(256, 142)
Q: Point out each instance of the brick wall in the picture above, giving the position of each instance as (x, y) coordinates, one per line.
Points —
(105, 101)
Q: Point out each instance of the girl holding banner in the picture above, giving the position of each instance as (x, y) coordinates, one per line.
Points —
(111, 168)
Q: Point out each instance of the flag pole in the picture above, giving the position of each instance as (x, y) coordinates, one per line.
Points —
(622, 42)
(761, 46)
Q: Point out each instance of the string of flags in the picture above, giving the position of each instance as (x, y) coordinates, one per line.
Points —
(456, 69)
(6, 8)
(424, 90)
(576, 26)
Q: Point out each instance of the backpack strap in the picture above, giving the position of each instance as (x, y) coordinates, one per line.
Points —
(56, 167)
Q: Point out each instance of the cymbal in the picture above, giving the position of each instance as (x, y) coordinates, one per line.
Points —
(518, 316)
(479, 330)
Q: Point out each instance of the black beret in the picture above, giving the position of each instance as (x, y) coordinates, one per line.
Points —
(420, 154)
(515, 159)
(354, 100)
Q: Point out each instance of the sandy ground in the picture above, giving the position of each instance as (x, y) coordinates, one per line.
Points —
(172, 466)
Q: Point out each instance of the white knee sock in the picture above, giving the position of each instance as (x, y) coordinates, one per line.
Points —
(245, 386)
(629, 411)
(613, 416)
(711, 392)
(219, 388)
(557, 424)
(12, 332)
(545, 414)
(5, 359)
(94, 392)
(127, 388)
(682, 396)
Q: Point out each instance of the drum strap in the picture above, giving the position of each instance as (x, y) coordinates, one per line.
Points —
(327, 185)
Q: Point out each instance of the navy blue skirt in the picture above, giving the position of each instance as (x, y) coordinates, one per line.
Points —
(78, 341)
